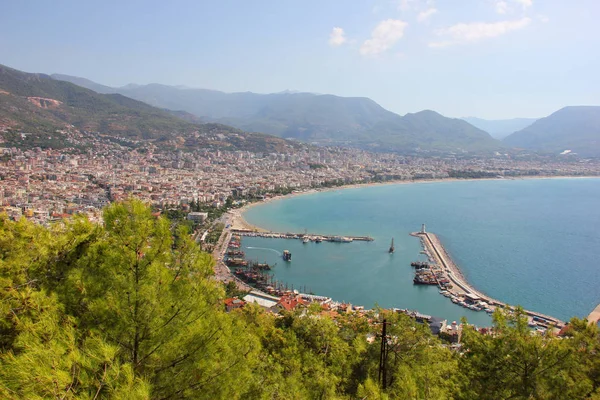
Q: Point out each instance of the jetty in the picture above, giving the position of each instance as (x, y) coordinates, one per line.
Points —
(311, 236)
(460, 287)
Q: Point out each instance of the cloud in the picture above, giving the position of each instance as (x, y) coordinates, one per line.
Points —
(405, 5)
(383, 37)
(476, 31)
(506, 6)
(424, 15)
(501, 7)
(337, 37)
(525, 3)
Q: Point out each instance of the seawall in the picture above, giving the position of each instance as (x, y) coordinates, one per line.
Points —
(440, 256)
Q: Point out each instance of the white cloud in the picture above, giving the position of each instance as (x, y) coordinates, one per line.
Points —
(405, 5)
(383, 37)
(424, 15)
(501, 7)
(475, 31)
(507, 6)
(525, 3)
(337, 37)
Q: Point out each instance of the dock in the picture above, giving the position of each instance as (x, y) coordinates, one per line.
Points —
(438, 255)
(290, 235)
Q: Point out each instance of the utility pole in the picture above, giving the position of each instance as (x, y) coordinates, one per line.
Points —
(383, 356)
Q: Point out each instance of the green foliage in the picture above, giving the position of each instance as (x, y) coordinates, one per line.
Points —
(514, 363)
(129, 309)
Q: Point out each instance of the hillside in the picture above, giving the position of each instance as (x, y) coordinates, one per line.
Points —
(500, 128)
(574, 128)
(38, 105)
(322, 119)
(130, 309)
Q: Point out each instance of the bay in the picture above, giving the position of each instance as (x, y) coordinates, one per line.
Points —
(531, 242)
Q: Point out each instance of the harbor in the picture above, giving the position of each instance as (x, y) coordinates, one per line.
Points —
(440, 270)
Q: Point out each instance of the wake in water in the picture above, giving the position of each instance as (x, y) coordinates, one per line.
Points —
(264, 248)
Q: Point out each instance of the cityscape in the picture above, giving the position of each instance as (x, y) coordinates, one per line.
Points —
(49, 184)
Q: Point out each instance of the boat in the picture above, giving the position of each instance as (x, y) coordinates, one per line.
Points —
(306, 239)
(287, 256)
(318, 239)
(392, 248)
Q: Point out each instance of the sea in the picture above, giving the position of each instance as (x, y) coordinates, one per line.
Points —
(528, 242)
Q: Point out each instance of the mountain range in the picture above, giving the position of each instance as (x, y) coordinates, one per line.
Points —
(41, 106)
(314, 118)
(574, 129)
(500, 128)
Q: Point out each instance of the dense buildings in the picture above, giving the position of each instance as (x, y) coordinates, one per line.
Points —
(50, 184)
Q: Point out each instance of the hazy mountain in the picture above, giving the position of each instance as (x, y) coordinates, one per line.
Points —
(571, 128)
(500, 128)
(86, 83)
(323, 119)
(39, 105)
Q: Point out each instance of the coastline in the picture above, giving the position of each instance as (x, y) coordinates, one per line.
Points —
(239, 222)
(453, 272)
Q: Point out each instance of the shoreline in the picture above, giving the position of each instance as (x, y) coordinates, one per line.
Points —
(239, 222)
(452, 271)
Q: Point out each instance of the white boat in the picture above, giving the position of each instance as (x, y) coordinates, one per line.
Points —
(306, 239)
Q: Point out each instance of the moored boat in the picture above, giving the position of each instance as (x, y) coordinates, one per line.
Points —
(287, 256)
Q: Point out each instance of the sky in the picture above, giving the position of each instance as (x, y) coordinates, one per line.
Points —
(491, 59)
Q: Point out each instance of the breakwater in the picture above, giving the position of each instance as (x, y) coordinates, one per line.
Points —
(460, 287)
(310, 236)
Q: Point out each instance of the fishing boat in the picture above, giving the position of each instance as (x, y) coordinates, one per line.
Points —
(318, 239)
(392, 248)
(306, 239)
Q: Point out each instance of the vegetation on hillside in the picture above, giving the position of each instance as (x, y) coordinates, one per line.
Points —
(129, 309)
(39, 105)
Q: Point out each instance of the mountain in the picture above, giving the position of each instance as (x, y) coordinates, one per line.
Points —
(500, 128)
(574, 128)
(316, 118)
(39, 105)
(86, 83)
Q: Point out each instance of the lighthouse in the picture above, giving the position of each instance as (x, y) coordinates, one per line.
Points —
(423, 228)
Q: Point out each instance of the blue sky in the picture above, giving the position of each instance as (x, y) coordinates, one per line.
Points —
(485, 58)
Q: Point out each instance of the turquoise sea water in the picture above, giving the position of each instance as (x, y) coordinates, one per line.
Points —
(530, 242)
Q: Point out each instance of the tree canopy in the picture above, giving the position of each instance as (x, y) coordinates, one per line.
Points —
(129, 309)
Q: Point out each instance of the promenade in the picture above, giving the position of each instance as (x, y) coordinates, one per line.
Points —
(594, 316)
(440, 256)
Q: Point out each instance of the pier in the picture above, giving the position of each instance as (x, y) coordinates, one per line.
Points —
(440, 257)
(312, 236)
